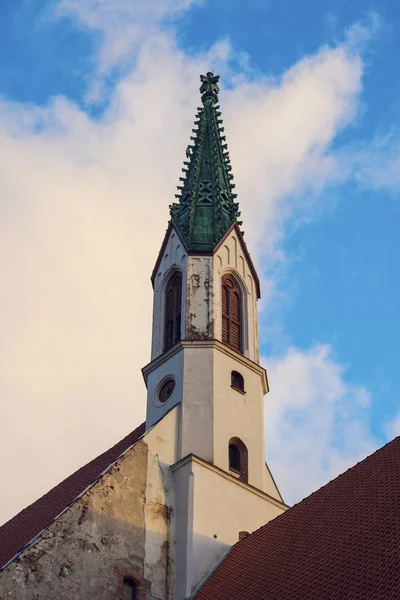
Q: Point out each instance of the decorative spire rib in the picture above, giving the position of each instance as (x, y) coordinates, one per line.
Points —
(207, 206)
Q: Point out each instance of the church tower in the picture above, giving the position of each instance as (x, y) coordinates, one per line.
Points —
(152, 517)
(205, 358)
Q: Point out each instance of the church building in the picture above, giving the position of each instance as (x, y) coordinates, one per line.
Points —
(185, 506)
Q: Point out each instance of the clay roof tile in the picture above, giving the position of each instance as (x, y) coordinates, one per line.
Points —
(342, 542)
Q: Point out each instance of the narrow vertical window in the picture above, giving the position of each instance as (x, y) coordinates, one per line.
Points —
(129, 589)
(238, 459)
(231, 313)
(234, 458)
(173, 301)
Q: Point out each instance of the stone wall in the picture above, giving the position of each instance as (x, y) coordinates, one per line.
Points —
(89, 549)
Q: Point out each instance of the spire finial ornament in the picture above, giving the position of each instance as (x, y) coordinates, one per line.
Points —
(209, 87)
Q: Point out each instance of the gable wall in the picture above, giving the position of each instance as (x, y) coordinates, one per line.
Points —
(212, 507)
(222, 508)
(230, 258)
(87, 551)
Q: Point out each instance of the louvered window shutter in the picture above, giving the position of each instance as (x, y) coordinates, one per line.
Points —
(172, 321)
(225, 314)
(235, 320)
(231, 313)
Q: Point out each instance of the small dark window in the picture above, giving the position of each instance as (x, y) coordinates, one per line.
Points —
(238, 458)
(173, 302)
(234, 457)
(237, 381)
(166, 390)
(129, 589)
(231, 313)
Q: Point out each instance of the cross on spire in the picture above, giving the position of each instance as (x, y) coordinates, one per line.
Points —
(209, 87)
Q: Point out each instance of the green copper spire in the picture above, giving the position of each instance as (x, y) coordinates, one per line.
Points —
(207, 206)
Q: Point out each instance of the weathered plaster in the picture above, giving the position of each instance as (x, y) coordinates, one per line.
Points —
(160, 506)
(198, 322)
(88, 549)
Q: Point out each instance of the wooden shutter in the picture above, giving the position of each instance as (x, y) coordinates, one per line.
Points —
(231, 313)
(172, 319)
(235, 320)
(225, 314)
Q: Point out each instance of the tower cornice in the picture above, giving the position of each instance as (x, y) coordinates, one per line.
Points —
(212, 343)
(193, 458)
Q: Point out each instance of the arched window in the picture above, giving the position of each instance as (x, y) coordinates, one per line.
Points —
(231, 313)
(173, 302)
(238, 459)
(237, 381)
(129, 589)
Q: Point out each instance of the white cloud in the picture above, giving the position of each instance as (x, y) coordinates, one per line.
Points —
(289, 126)
(317, 424)
(378, 165)
(84, 206)
(123, 24)
(392, 427)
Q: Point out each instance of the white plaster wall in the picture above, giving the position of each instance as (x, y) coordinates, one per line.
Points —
(242, 416)
(211, 412)
(175, 256)
(222, 507)
(184, 506)
(197, 405)
(204, 502)
(199, 298)
(172, 366)
(230, 257)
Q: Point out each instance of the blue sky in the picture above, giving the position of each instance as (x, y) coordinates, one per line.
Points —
(85, 94)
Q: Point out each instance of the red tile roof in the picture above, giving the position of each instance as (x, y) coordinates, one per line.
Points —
(26, 525)
(340, 543)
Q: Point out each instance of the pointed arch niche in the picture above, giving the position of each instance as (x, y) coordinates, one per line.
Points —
(234, 312)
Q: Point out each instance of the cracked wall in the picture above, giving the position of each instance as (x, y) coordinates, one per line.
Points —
(199, 324)
(88, 550)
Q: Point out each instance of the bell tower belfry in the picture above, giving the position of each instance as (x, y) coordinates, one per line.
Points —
(205, 357)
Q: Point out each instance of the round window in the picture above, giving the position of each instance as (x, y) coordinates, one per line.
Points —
(166, 390)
